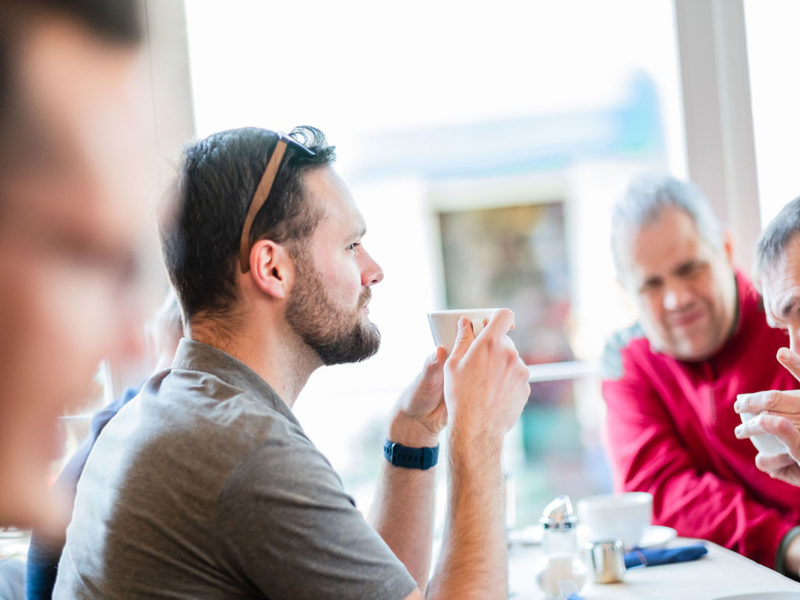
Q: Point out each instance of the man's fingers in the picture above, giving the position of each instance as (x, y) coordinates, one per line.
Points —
(791, 361)
(785, 431)
(772, 463)
(464, 338)
(441, 355)
(790, 474)
(436, 359)
(777, 425)
(772, 400)
(780, 427)
(432, 369)
(750, 428)
(500, 324)
(768, 423)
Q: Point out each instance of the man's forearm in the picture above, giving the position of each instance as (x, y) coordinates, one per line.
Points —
(485, 387)
(402, 513)
(473, 559)
(403, 508)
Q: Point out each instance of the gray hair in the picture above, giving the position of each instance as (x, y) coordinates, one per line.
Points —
(646, 198)
(772, 243)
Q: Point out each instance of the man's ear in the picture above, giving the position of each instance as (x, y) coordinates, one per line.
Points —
(271, 268)
(727, 244)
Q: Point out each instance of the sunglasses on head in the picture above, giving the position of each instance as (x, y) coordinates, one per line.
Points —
(263, 190)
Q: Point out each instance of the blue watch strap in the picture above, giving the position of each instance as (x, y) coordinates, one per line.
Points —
(410, 458)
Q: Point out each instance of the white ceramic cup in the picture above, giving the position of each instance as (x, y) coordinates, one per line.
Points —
(623, 516)
(766, 443)
(444, 324)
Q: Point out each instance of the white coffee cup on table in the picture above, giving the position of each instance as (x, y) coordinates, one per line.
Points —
(624, 516)
(444, 324)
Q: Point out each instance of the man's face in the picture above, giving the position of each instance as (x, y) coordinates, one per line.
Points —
(69, 224)
(780, 287)
(684, 289)
(327, 307)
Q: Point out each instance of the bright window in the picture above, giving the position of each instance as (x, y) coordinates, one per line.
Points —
(773, 58)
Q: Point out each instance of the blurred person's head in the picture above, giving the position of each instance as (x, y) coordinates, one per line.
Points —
(675, 260)
(72, 160)
(776, 271)
(164, 331)
(159, 335)
(300, 266)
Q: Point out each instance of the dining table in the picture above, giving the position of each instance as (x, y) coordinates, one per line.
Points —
(721, 574)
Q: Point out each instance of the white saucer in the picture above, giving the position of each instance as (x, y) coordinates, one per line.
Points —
(654, 536)
(763, 596)
(527, 536)
(657, 535)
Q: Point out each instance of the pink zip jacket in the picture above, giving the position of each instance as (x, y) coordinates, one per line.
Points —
(670, 432)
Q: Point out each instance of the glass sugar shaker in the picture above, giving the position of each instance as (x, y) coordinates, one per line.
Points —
(564, 565)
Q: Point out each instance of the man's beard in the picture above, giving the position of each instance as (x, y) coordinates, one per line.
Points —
(336, 335)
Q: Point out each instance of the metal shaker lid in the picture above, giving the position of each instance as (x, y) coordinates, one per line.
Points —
(559, 514)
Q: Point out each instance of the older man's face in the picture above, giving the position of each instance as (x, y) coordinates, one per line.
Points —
(683, 287)
(69, 225)
(780, 287)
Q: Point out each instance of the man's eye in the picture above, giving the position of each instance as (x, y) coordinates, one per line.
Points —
(650, 286)
(353, 246)
(692, 269)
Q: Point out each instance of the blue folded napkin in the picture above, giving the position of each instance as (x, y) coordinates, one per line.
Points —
(649, 557)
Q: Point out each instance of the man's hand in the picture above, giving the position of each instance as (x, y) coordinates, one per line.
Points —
(485, 381)
(420, 413)
(485, 388)
(779, 415)
(404, 501)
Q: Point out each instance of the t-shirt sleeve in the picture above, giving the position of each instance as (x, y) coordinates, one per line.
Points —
(287, 528)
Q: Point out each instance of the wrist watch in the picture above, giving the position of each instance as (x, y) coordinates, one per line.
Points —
(411, 458)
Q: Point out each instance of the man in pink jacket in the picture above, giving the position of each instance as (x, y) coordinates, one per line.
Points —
(671, 380)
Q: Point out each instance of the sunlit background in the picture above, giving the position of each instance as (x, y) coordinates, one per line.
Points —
(484, 144)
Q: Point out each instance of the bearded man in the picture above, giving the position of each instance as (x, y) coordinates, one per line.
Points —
(205, 486)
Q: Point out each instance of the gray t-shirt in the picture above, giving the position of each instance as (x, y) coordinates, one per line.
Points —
(205, 486)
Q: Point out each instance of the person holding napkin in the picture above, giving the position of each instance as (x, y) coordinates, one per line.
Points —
(777, 273)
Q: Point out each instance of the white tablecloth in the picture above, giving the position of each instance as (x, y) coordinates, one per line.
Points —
(720, 573)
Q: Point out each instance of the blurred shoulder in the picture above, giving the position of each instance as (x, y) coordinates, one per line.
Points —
(611, 365)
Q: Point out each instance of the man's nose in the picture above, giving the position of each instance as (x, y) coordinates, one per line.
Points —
(677, 295)
(371, 272)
